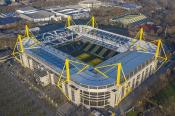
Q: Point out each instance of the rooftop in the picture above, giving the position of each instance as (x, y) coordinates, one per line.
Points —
(129, 6)
(27, 9)
(8, 20)
(40, 14)
(90, 1)
(54, 58)
(130, 61)
(131, 19)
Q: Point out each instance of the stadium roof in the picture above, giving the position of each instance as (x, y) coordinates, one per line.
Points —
(130, 61)
(54, 59)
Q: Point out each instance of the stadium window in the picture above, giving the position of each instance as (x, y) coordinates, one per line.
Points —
(137, 80)
(100, 103)
(101, 93)
(106, 102)
(93, 103)
(122, 92)
(143, 76)
(66, 89)
(131, 74)
(146, 73)
(129, 84)
(73, 95)
(150, 72)
(93, 93)
(86, 102)
(81, 100)
(127, 87)
(86, 92)
(133, 83)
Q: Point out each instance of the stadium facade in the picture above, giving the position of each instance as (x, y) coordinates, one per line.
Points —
(92, 67)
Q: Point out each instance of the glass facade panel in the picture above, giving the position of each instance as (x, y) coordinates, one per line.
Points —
(95, 98)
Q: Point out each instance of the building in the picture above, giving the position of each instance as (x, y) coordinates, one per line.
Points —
(130, 20)
(92, 67)
(26, 10)
(75, 11)
(8, 23)
(53, 13)
(2, 2)
(35, 15)
(90, 3)
(129, 6)
(39, 16)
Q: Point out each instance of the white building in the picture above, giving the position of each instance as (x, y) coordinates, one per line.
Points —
(53, 13)
(75, 11)
(90, 3)
(38, 16)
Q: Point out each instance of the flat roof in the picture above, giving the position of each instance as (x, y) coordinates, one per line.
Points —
(9, 20)
(40, 14)
(27, 8)
(130, 61)
(55, 59)
(90, 1)
(131, 19)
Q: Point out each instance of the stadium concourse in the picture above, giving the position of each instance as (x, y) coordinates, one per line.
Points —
(92, 67)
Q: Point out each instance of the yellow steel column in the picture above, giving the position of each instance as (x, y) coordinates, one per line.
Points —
(67, 70)
(20, 44)
(113, 114)
(68, 21)
(93, 21)
(141, 34)
(26, 31)
(158, 48)
(118, 74)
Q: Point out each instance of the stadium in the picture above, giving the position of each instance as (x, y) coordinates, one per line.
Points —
(91, 66)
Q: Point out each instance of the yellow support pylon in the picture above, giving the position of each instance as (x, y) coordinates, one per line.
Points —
(119, 66)
(67, 70)
(21, 47)
(93, 21)
(68, 21)
(26, 31)
(18, 49)
(113, 114)
(158, 48)
(141, 34)
(20, 44)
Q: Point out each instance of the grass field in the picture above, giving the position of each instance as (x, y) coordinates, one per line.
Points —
(83, 56)
(89, 58)
(87, 52)
(95, 61)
